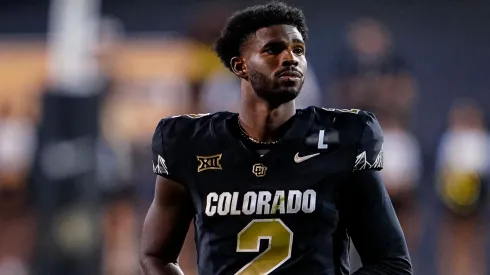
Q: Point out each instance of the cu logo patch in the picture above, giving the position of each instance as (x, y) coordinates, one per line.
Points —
(259, 170)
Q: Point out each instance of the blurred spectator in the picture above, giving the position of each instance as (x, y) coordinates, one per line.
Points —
(111, 155)
(401, 175)
(462, 177)
(121, 246)
(17, 218)
(203, 30)
(371, 75)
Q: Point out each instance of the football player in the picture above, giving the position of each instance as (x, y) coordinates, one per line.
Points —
(272, 189)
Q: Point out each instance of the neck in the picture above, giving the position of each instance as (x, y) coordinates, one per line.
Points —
(260, 120)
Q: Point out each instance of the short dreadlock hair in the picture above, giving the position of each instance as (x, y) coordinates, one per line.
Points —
(246, 22)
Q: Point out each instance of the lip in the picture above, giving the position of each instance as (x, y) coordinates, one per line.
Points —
(290, 74)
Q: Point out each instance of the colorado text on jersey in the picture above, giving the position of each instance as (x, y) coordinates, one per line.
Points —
(260, 203)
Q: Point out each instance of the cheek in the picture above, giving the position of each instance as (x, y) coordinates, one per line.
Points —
(303, 65)
(263, 65)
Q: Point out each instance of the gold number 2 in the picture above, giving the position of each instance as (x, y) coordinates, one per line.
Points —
(279, 251)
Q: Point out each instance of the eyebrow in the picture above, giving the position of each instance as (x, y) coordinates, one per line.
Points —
(277, 42)
(299, 41)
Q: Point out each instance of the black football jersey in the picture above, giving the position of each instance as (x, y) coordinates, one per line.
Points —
(286, 212)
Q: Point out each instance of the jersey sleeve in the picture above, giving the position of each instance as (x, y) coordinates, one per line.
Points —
(370, 147)
(372, 224)
(165, 162)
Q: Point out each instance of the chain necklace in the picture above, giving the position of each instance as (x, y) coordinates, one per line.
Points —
(245, 135)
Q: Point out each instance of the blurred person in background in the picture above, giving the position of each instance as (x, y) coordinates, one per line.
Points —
(463, 168)
(401, 174)
(201, 160)
(371, 75)
(202, 31)
(17, 217)
(114, 162)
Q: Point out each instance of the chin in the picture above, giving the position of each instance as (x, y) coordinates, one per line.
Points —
(277, 97)
(289, 92)
(284, 95)
(289, 87)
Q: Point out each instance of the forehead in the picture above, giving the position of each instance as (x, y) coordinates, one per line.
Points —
(286, 33)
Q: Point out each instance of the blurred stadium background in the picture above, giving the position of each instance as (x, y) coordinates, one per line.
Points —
(83, 83)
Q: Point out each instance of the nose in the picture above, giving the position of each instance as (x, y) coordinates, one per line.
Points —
(289, 59)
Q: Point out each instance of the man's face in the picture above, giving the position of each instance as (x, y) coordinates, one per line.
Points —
(275, 63)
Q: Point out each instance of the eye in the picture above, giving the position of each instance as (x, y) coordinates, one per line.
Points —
(273, 50)
(299, 51)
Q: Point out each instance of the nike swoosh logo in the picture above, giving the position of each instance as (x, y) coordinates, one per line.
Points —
(299, 159)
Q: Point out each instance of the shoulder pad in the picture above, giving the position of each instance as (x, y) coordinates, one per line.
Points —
(177, 127)
(348, 122)
(362, 129)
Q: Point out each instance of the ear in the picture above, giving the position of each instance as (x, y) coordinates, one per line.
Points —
(239, 67)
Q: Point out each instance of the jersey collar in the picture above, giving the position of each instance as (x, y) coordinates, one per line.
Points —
(296, 132)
